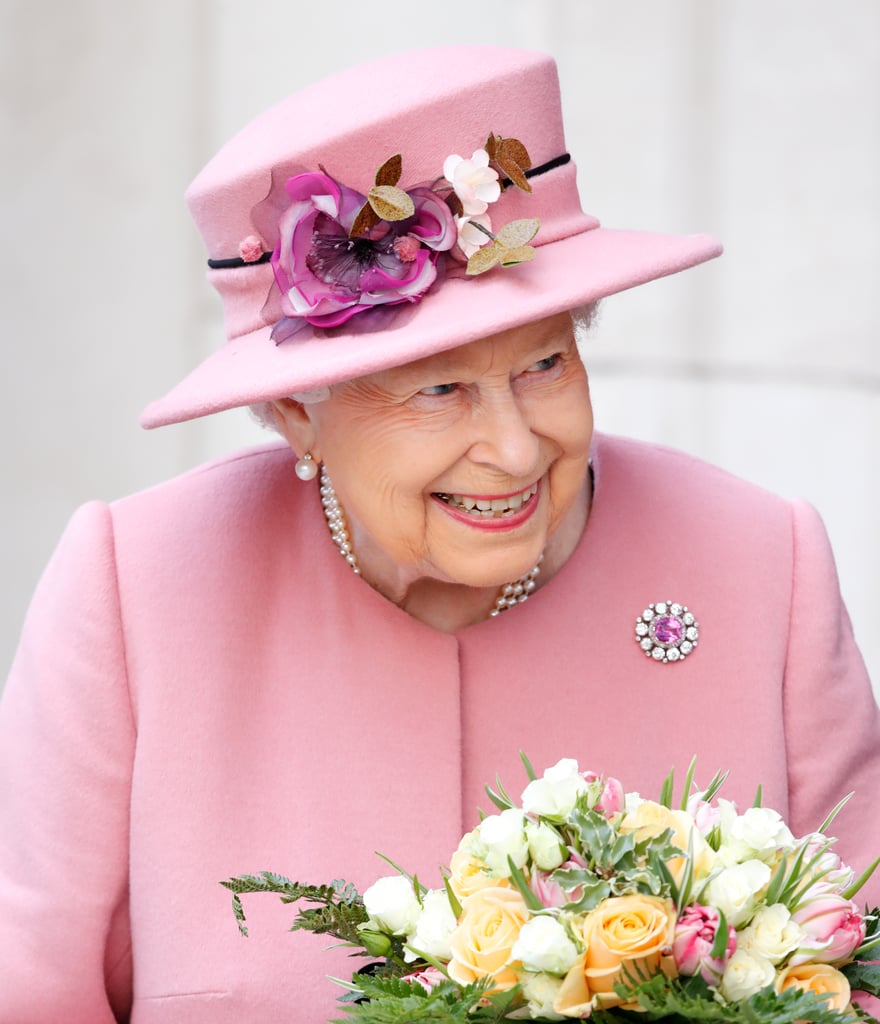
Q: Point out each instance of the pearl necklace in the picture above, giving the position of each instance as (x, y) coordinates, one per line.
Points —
(510, 594)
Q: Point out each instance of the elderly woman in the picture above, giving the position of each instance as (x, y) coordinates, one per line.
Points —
(206, 687)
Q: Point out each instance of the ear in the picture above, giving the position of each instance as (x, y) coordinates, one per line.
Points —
(295, 424)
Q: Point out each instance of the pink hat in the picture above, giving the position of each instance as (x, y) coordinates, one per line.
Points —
(334, 261)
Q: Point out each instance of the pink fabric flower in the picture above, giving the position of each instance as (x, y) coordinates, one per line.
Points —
(695, 934)
(834, 927)
(326, 277)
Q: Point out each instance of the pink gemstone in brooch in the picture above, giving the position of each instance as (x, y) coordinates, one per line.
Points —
(666, 631)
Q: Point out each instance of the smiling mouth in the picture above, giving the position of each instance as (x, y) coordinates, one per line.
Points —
(489, 508)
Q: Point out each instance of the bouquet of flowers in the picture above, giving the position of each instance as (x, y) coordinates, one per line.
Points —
(587, 901)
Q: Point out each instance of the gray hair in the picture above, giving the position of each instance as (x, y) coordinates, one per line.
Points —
(582, 319)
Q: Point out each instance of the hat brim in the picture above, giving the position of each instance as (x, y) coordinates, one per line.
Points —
(567, 273)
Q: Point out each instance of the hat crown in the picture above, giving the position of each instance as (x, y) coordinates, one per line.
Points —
(425, 105)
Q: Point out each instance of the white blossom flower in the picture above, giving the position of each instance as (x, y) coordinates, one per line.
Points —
(555, 794)
(746, 973)
(734, 890)
(541, 991)
(471, 238)
(544, 945)
(758, 833)
(392, 905)
(433, 928)
(501, 836)
(771, 933)
(474, 181)
(544, 846)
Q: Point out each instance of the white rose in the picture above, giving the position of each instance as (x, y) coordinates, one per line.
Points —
(630, 802)
(760, 832)
(544, 945)
(501, 836)
(734, 890)
(433, 928)
(541, 990)
(544, 846)
(555, 794)
(746, 973)
(392, 905)
(772, 934)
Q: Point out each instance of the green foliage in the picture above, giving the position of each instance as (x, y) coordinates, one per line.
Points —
(394, 1001)
(339, 913)
(863, 977)
(691, 1000)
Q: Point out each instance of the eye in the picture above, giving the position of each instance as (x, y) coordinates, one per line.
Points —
(547, 363)
(438, 389)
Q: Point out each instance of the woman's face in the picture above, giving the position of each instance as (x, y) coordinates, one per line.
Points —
(416, 453)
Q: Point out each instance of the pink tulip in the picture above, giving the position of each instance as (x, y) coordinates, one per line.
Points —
(550, 892)
(833, 925)
(694, 938)
(612, 799)
(428, 978)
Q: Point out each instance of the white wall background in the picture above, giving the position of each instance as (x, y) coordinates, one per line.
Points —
(757, 120)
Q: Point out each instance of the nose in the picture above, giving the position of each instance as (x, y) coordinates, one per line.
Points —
(503, 437)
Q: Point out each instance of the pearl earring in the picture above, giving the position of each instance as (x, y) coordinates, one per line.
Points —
(306, 467)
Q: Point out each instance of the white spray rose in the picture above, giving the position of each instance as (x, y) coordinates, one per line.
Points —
(746, 973)
(758, 833)
(392, 905)
(772, 934)
(543, 944)
(541, 991)
(555, 794)
(734, 890)
(433, 928)
(501, 836)
(544, 846)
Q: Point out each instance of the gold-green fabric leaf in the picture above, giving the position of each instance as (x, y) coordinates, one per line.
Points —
(483, 259)
(518, 232)
(522, 254)
(390, 202)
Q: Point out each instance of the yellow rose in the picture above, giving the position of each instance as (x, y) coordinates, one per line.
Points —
(649, 819)
(467, 875)
(623, 935)
(489, 925)
(823, 979)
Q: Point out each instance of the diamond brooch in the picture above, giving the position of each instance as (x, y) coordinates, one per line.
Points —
(666, 631)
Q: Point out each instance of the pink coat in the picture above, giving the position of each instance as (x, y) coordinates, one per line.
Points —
(204, 689)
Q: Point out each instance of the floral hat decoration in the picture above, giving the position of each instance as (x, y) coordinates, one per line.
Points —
(347, 233)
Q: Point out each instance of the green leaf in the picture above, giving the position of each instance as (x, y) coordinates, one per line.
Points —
(759, 796)
(863, 877)
(527, 764)
(688, 783)
(826, 824)
(864, 977)
(519, 880)
(666, 790)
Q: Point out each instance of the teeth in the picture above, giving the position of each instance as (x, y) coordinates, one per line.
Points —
(489, 508)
